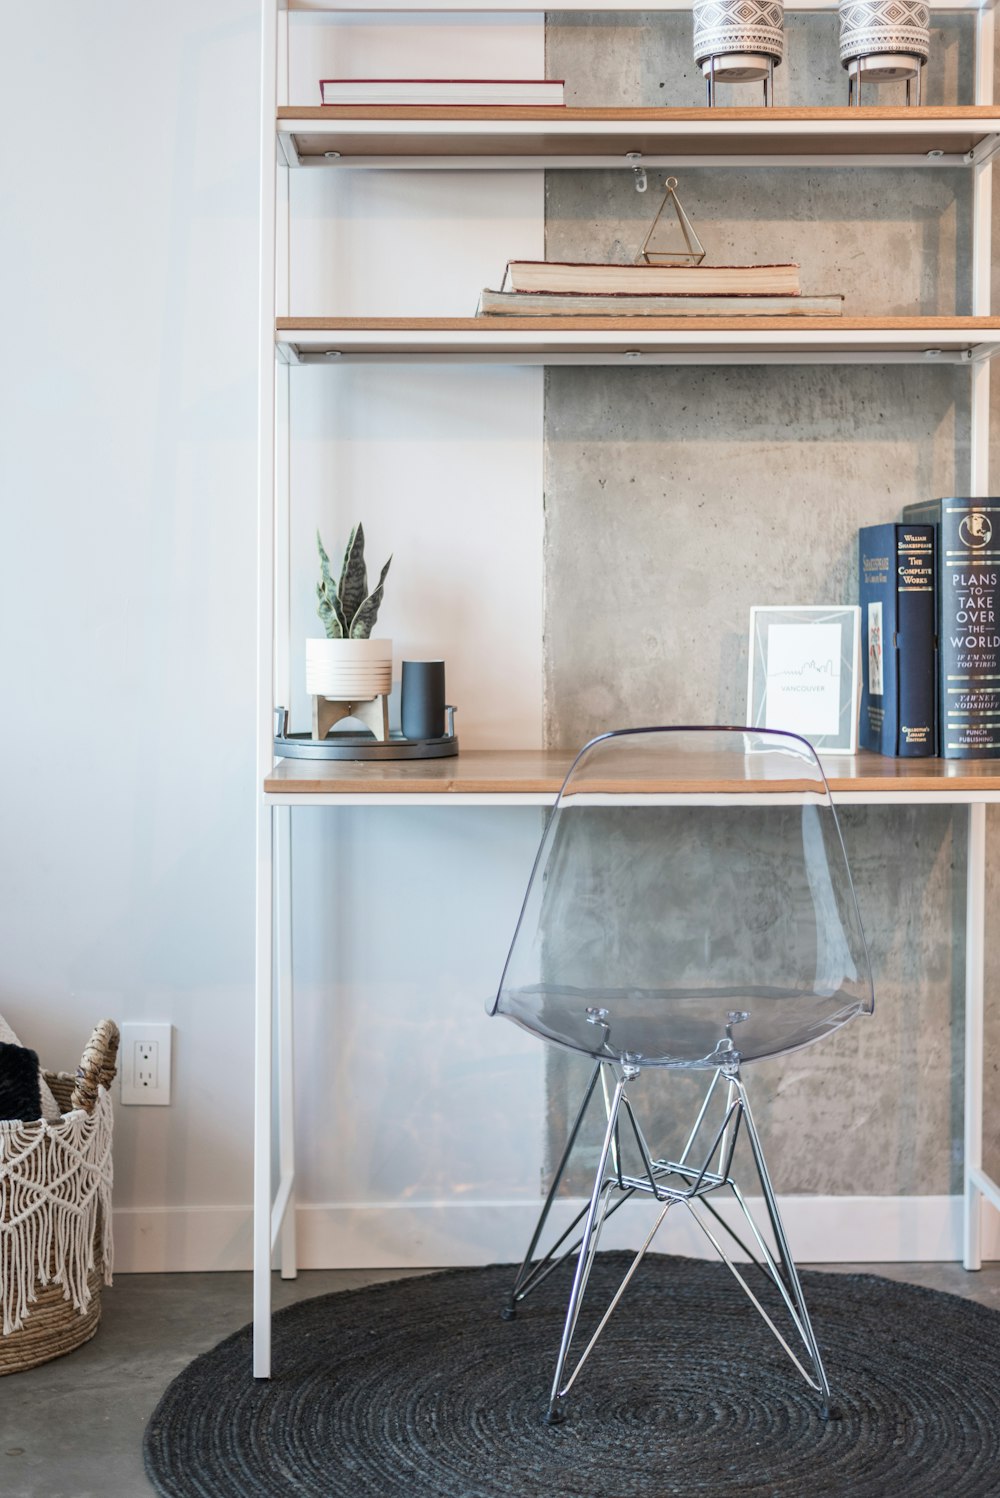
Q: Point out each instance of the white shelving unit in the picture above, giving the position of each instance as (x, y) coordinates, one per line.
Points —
(455, 140)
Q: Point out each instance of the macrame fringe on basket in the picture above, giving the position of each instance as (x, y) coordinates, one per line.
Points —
(55, 1214)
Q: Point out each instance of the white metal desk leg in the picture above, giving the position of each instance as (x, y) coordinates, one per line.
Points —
(285, 1207)
(975, 932)
(262, 1101)
(264, 945)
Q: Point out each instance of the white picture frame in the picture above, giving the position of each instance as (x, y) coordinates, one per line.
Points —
(804, 673)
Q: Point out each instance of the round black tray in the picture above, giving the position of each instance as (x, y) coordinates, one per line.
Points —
(346, 745)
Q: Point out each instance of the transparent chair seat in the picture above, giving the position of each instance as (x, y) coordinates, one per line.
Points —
(703, 1021)
(690, 907)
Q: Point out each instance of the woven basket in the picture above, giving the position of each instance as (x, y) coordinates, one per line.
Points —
(50, 1279)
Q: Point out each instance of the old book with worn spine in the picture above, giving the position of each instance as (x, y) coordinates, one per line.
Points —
(577, 304)
(645, 280)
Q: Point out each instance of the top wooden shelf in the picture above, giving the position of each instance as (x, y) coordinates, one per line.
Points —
(534, 776)
(523, 136)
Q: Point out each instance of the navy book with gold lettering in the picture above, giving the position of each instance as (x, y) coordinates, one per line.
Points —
(968, 583)
(898, 665)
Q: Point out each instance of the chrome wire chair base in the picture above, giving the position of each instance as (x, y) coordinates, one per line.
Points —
(671, 1183)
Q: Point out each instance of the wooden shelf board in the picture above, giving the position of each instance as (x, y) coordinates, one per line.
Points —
(583, 339)
(511, 772)
(532, 131)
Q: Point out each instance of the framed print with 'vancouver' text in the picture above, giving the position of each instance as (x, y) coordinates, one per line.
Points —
(804, 674)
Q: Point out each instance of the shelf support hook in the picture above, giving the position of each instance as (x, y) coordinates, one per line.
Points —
(638, 172)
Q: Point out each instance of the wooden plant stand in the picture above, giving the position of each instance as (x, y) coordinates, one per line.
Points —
(373, 712)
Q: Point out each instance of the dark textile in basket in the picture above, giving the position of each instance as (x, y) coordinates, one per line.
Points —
(20, 1094)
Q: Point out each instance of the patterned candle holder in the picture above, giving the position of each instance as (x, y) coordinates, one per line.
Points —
(739, 41)
(884, 41)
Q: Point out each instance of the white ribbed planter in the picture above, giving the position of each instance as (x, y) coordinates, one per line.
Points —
(884, 40)
(348, 670)
(744, 37)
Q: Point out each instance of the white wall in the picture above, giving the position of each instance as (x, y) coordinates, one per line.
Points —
(128, 450)
(129, 193)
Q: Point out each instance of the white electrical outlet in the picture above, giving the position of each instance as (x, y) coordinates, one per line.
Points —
(144, 1062)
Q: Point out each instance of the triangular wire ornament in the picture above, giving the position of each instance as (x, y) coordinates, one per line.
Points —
(693, 252)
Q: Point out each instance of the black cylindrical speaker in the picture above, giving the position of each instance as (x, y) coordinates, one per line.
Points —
(422, 709)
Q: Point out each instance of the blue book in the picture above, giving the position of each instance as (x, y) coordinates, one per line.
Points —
(968, 588)
(898, 624)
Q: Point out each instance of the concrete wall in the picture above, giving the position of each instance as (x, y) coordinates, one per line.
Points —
(644, 59)
(676, 499)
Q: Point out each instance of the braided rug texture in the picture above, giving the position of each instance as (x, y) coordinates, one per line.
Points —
(417, 1389)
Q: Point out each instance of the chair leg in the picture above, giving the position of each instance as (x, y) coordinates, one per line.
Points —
(520, 1280)
(532, 1272)
(695, 1191)
(585, 1259)
(827, 1410)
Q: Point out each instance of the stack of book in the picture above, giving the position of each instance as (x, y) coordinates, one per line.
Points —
(482, 92)
(930, 600)
(561, 288)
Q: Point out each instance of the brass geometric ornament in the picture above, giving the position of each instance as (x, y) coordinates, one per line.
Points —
(690, 250)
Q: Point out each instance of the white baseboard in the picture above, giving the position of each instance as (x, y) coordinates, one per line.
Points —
(389, 1235)
(160, 1240)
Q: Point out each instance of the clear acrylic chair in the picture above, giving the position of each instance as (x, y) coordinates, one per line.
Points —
(690, 907)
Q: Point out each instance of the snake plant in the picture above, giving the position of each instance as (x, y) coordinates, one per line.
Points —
(347, 609)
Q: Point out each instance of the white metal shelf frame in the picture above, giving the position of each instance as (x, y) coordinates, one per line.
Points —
(274, 1210)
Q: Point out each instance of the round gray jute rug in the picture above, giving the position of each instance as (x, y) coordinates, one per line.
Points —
(417, 1389)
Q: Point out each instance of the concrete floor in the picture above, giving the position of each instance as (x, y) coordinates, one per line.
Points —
(73, 1428)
